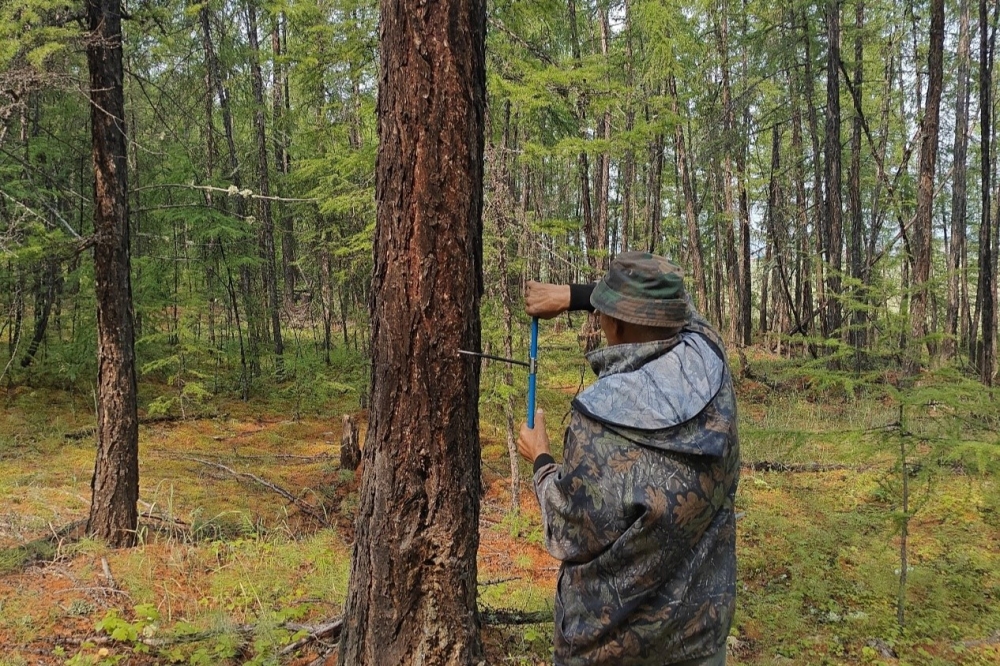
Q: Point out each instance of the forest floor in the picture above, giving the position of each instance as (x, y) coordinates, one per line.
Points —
(229, 571)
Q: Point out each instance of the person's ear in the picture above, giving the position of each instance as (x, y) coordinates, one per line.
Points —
(619, 329)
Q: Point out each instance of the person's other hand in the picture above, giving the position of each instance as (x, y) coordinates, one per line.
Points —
(533, 442)
(546, 300)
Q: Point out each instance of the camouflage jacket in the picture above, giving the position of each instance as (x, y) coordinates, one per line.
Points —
(641, 510)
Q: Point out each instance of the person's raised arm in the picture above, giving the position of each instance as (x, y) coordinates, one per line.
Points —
(546, 301)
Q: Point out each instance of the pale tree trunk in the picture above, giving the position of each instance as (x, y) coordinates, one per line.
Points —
(654, 193)
(113, 511)
(412, 594)
(603, 175)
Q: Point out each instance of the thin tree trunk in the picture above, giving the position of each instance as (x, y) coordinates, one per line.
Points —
(412, 594)
(654, 189)
(265, 233)
(856, 333)
(922, 229)
(833, 228)
(282, 161)
(690, 217)
(737, 289)
(812, 118)
(45, 296)
(216, 83)
(765, 284)
(803, 292)
(957, 251)
(984, 352)
(113, 512)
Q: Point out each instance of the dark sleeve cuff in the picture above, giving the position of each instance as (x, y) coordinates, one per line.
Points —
(543, 460)
(579, 297)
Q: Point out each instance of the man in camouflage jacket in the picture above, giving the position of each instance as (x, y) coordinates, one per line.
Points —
(640, 512)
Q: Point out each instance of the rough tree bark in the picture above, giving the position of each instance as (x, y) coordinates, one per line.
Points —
(859, 316)
(925, 187)
(957, 251)
(412, 595)
(984, 354)
(350, 451)
(832, 231)
(113, 511)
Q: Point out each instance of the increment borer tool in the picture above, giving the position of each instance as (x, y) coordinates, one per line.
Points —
(532, 365)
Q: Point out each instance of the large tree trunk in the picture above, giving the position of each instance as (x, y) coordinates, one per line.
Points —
(412, 595)
(113, 512)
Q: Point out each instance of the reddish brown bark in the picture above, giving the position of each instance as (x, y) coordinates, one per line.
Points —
(113, 512)
(412, 596)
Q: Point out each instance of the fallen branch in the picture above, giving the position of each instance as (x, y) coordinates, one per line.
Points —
(303, 506)
(330, 629)
(83, 433)
(772, 466)
(243, 630)
(107, 574)
(982, 642)
(319, 457)
(493, 616)
(45, 548)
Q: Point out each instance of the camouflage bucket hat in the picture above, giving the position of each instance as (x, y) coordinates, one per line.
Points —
(642, 288)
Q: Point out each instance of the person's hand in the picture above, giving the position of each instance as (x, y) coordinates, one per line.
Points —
(546, 300)
(533, 442)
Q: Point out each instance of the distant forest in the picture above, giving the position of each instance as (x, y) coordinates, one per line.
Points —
(824, 172)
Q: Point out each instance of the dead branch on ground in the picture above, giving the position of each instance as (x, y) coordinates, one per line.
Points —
(303, 506)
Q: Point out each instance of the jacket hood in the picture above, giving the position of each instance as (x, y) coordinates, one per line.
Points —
(646, 390)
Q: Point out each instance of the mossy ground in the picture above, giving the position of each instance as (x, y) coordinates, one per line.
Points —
(818, 550)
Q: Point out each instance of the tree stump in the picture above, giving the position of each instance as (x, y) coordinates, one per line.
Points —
(350, 452)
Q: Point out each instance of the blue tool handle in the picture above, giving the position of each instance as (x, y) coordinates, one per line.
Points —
(532, 371)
